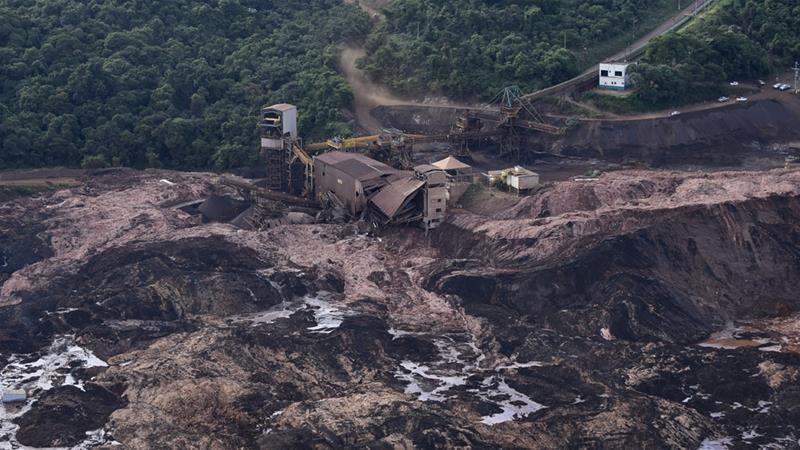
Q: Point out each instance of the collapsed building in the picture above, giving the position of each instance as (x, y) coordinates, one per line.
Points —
(354, 182)
(380, 193)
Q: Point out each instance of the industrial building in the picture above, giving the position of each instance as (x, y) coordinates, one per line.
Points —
(614, 76)
(384, 195)
(518, 179)
(278, 131)
(352, 178)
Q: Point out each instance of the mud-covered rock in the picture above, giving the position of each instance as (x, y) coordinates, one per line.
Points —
(62, 416)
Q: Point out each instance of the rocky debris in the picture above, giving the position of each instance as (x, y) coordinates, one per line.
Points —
(63, 416)
(568, 320)
(646, 257)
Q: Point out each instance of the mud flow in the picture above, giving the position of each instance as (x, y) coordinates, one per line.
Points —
(639, 309)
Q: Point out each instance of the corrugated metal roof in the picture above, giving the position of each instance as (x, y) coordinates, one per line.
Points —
(281, 107)
(424, 168)
(356, 165)
(392, 197)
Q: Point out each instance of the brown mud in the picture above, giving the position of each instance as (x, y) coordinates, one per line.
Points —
(570, 318)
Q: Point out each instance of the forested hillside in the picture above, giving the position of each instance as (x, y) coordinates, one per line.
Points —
(738, 39)
(176, 84)
(469, 48)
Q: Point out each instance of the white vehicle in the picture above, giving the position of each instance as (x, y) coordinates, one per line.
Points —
(674, 113)
(776, 86)
(723, 99)
(785, 87)
(741, 99)
(734, 83)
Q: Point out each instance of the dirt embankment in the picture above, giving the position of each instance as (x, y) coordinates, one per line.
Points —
(720, 136)
(715, 136)
(652, 255)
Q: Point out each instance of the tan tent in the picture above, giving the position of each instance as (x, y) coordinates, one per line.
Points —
(451, 163)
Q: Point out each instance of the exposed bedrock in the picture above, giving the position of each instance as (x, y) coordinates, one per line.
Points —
(671, 274)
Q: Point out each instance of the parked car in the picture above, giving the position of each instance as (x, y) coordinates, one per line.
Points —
(785, 87)
(734, 83)
(762, 83)
(776, 86)
(741, 99)
(723, 99)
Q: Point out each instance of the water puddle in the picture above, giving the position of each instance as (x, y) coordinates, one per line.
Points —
(458, 366)
(768, 335)
(55, 368)
(514, 404)
(327, 315)
(716, 444)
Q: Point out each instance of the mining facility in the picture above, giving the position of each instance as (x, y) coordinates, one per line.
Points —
(346, 173)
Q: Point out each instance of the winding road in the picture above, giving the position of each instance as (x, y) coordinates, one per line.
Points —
(368, 95)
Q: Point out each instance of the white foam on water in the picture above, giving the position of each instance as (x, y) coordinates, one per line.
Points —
(517, 406)
(750, 434)
(716, 444)
(458, 361)
(281, 311)
(435, 385)
(395, 333)
(519, 365)
(35, 377)
(327, 316)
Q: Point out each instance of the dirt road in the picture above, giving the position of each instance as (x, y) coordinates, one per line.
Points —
(367, 94)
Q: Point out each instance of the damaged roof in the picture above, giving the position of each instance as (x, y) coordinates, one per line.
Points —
(393, 196)
(356, 165)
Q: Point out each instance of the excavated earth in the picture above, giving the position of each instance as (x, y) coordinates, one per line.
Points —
(641, 310)
(718, 136)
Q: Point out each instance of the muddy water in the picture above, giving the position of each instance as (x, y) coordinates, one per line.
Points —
(769, 335)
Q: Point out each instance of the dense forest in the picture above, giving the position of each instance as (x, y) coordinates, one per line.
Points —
(473, 48)
(179, 84)
(737, 40)
(174, 84)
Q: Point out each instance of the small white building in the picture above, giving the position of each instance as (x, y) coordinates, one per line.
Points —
(614, 76)
(278, 122)
(517, 178)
